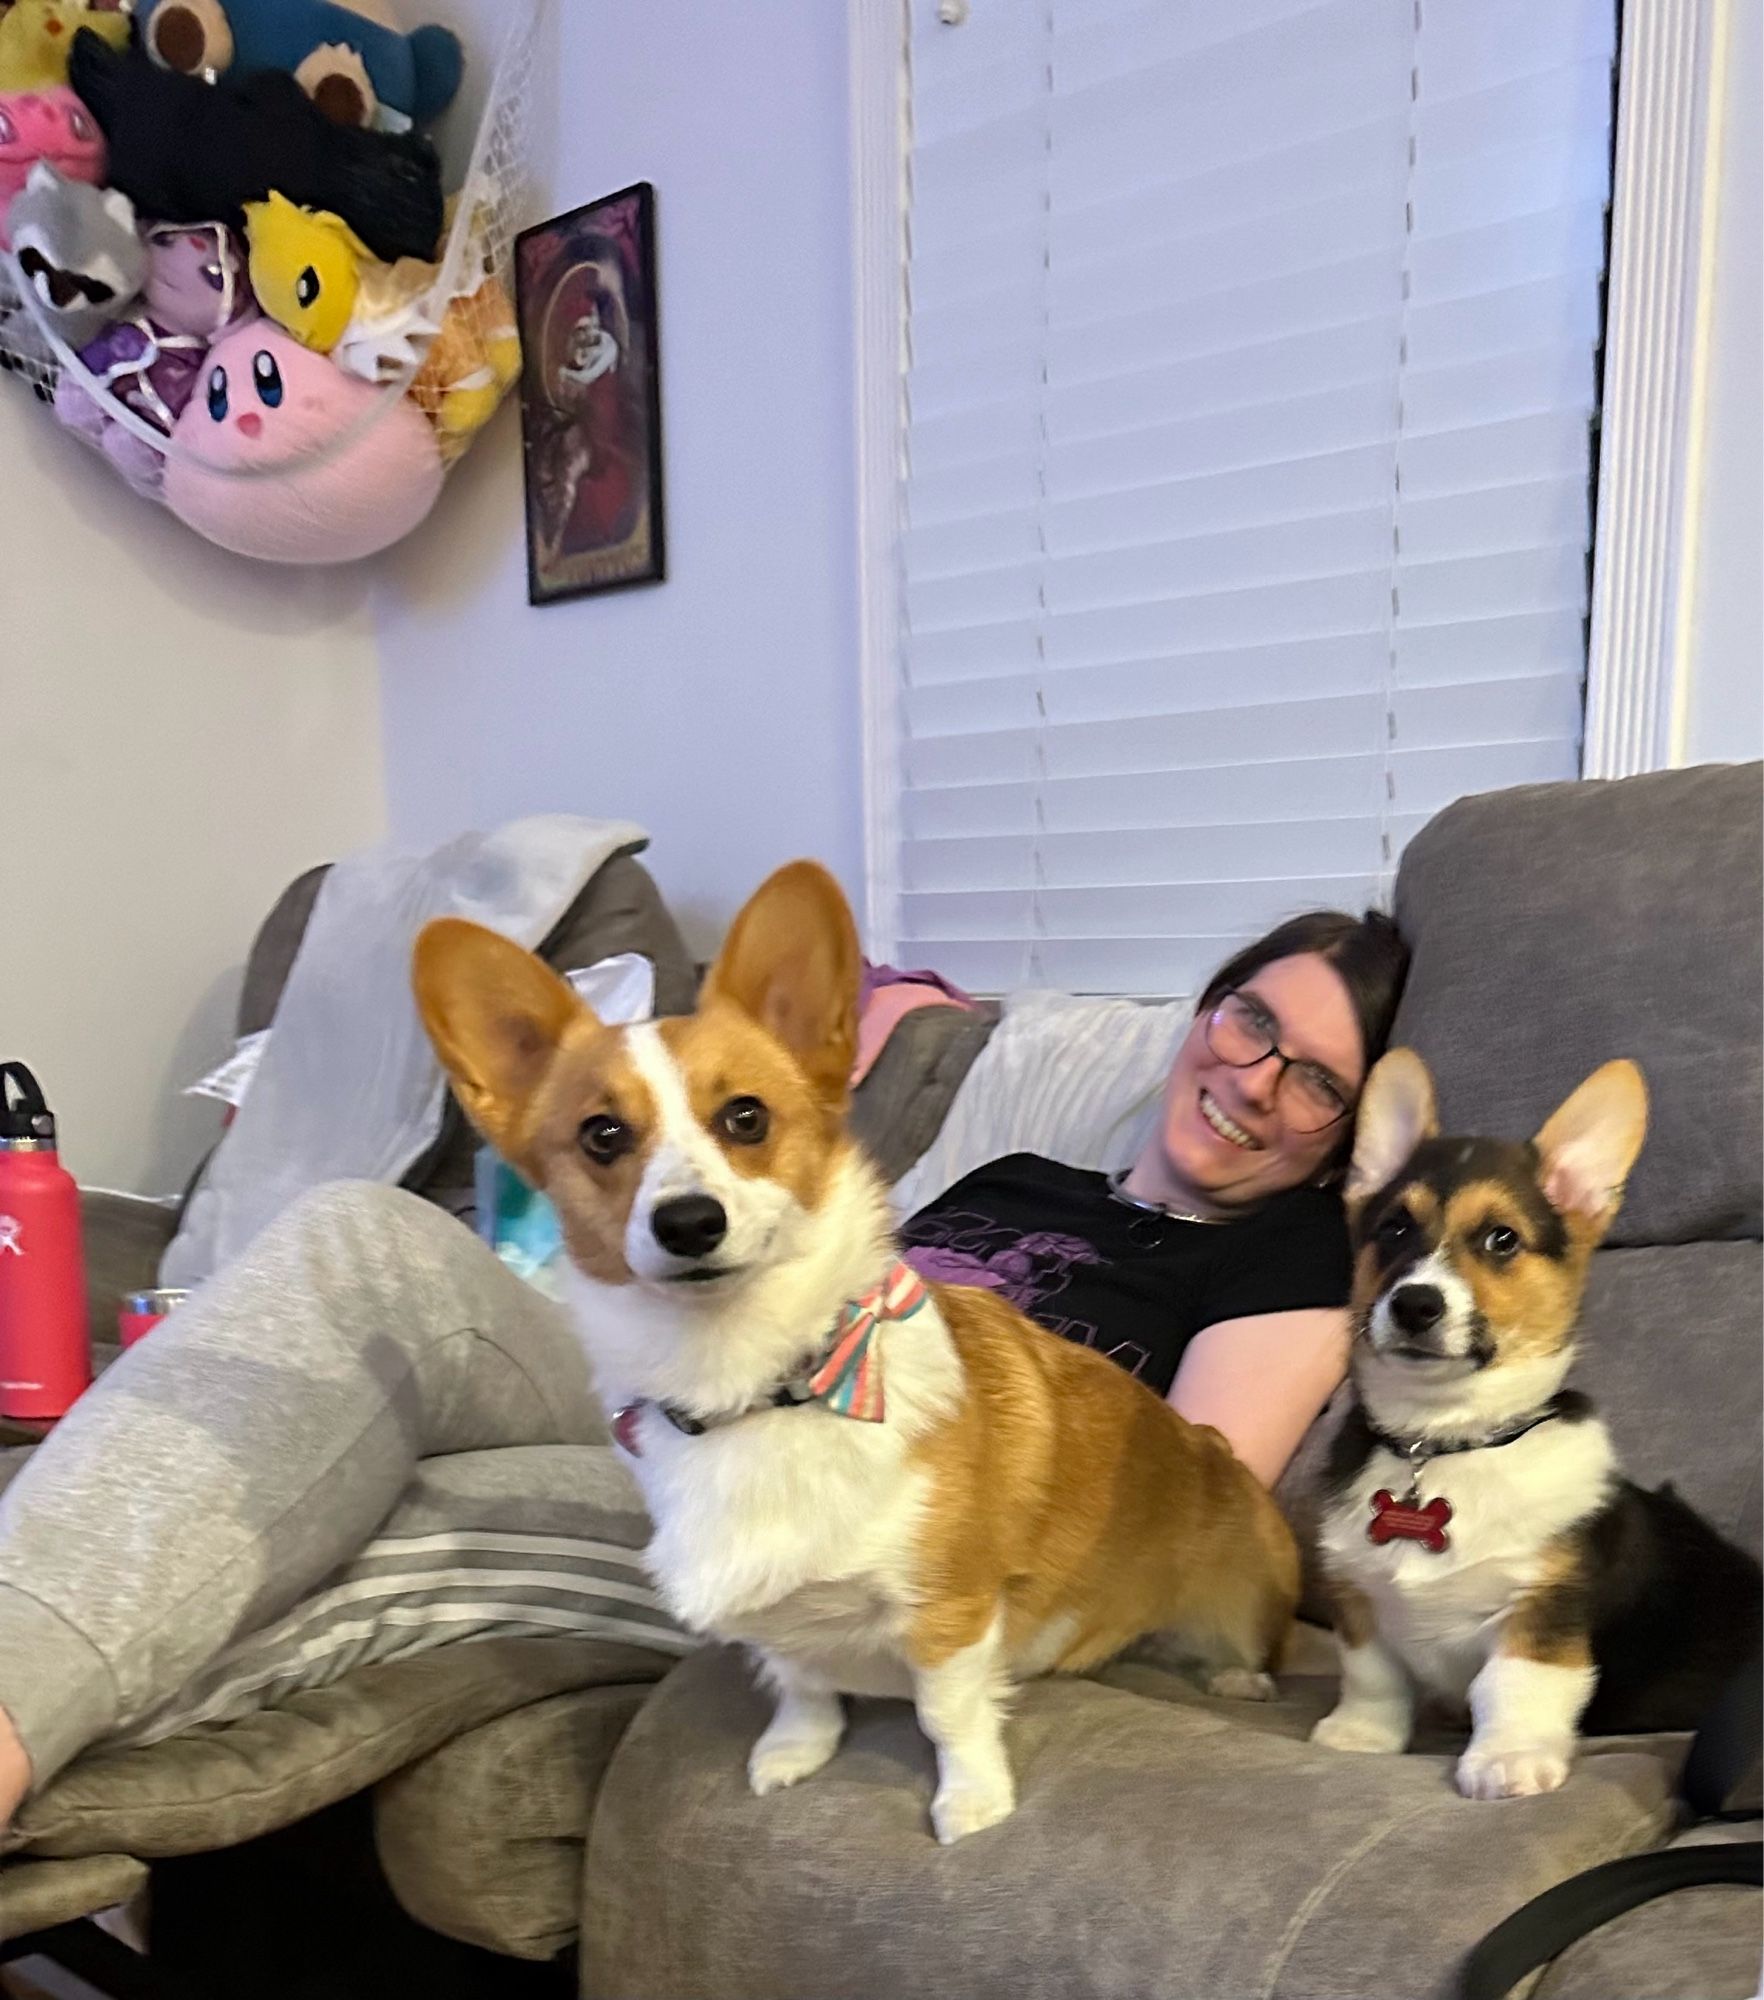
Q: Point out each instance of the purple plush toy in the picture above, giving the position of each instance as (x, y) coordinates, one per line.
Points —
(196, 291)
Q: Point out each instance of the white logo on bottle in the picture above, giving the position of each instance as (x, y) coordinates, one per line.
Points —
(11, 1229)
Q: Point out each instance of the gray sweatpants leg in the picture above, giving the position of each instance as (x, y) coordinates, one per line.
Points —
(159, 1553)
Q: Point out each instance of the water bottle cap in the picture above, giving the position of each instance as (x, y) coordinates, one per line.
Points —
(26, 1123)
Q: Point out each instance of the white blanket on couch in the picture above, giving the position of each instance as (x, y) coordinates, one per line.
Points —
(348, 1087)
(1074, 1079)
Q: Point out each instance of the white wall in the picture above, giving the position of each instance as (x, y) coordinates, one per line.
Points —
(180, 733)
(1725, 718)
(720, 708)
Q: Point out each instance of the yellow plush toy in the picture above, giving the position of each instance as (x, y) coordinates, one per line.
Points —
(471, 365)
(378, 321)
(36, 35)
(305, 268)
(464, 362)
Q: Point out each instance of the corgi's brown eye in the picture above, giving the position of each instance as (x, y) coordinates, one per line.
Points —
(1500, 1243)
(605, 1138)
(745, 1120)
(1395, 1227)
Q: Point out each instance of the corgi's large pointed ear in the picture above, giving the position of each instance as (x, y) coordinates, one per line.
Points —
(1589, 1143)
(791, 962)
(496, 1015)
(1396, 1114)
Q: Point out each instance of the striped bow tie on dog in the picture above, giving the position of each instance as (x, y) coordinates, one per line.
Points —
(849, 1379)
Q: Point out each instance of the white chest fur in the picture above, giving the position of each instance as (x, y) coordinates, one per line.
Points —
(1440, 1612)
(794, 1529)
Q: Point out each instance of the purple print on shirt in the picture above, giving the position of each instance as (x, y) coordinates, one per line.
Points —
(962, 1247)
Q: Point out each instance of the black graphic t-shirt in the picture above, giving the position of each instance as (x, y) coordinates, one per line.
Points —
(1135, 1286)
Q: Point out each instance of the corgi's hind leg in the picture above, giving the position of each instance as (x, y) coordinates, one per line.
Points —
(959, 1691)
(1233, 1633)
(1220, 1661)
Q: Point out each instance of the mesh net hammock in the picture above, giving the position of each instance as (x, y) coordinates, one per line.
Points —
(283, 328)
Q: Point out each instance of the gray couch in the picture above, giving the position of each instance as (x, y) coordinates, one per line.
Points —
(532, 1792)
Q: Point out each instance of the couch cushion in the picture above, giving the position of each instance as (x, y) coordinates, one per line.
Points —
(37, 1894)
(1669, 1351)
(1180, 1847)
(1698, 1944)
(482, 1839)
(222, 1784)
(1557, 926)
(274, 950)
(901, 1104)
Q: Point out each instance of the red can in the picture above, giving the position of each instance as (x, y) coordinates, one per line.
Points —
(142, 1311)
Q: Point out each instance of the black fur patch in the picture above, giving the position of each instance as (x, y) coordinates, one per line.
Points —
(1349, 1450)
(1674, 1610)
(1442, 1166)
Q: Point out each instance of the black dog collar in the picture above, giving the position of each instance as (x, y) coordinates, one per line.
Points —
(1418, 1450)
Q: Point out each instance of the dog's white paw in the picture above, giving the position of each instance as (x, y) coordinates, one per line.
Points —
(1518, 1771)
(968, 1805)
(1239, 1683)
(1363, 1729)
(783, 1756)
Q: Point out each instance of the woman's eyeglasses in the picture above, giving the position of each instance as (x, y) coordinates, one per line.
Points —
(1241, 1032)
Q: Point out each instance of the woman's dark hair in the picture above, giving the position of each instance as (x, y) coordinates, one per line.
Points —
(1369, 958)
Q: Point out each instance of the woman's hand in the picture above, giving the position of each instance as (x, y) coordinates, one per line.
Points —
(1262, 1381)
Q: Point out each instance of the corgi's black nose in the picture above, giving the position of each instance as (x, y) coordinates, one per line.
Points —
(1417, 1308)
(689, 1225)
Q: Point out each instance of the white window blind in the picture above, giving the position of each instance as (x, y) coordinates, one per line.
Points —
(1252, 371)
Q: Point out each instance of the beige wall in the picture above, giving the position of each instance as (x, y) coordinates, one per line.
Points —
(180, 732)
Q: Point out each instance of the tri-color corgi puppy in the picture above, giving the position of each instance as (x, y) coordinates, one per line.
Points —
(879, 1487)
(1478, 1539)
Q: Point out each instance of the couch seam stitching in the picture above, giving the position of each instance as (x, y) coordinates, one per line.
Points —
(1301, 1917)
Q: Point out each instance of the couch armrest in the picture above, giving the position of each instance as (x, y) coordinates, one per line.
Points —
(900, 1106)
(124, 1236)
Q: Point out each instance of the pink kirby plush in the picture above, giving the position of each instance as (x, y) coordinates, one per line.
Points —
(281, 455)
(50, 124)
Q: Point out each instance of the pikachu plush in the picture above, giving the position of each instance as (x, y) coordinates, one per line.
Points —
(306, 269)
(36, 36)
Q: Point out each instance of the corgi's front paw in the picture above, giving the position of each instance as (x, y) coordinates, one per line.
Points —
(783, 1756)
(1365, 1729)
(969, 1804)
(1516, 1771)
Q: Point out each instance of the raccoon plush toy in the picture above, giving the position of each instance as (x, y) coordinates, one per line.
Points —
(78, 251)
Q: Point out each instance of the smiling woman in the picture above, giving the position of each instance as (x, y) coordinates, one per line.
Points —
(1215, 1270)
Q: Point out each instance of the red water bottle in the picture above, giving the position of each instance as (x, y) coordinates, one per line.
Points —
(45, 1355)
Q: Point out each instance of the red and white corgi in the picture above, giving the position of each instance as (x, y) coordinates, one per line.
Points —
(879, 1487)
(1480, 1543)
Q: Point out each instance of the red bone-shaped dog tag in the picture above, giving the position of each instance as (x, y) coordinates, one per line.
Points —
(1393, 1523)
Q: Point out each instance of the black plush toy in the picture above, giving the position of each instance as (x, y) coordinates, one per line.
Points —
(187, 151)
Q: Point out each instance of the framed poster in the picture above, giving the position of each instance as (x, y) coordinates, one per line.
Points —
(591, 398)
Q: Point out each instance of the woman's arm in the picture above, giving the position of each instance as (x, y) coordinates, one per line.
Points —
(1262, 1380)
